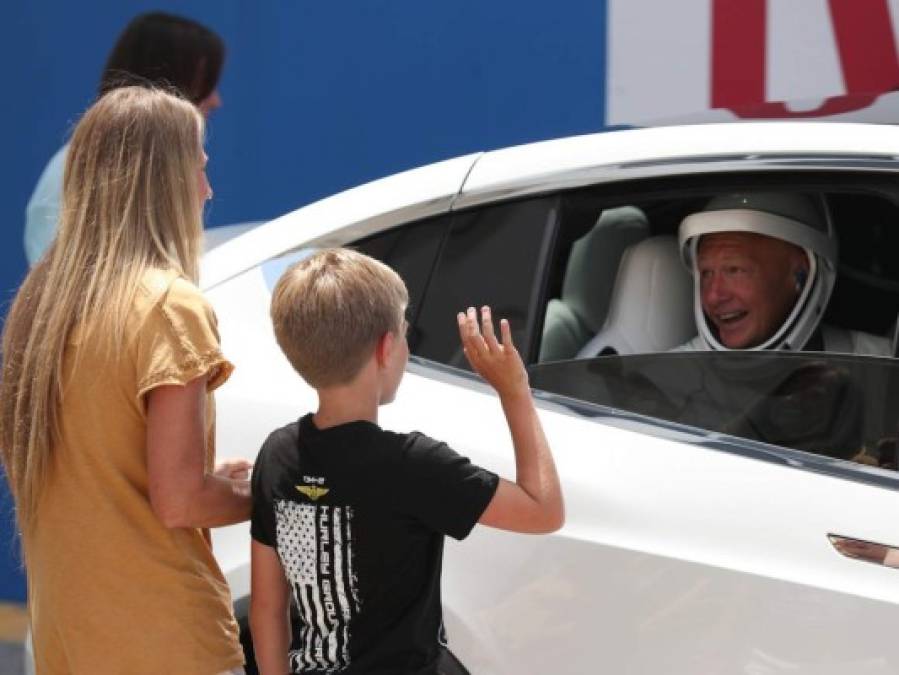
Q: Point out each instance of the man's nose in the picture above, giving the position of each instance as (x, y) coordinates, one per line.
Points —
(714, 290)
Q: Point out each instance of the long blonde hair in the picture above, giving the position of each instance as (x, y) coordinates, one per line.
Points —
(131, 202)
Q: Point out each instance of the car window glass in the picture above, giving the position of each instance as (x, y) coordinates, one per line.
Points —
(866, 296)
(492, 256)
(410, 250)
(839, 406)
(617, 283)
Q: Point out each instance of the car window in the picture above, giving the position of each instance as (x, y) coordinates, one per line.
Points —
(494, 256)
(618, 284)
(840, 406)
(866, 296)
(411, 251)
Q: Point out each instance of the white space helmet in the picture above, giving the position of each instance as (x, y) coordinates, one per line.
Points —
(799, 219)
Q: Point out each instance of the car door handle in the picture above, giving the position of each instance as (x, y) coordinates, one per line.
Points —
(867, 551)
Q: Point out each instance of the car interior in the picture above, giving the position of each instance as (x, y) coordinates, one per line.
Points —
(618, 290)
(592, 282)
(617, 284)
(645, 301)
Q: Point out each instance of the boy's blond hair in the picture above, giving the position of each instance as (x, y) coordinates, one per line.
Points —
(330, 310)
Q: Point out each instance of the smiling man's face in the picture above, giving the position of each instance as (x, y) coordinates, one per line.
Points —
(748, 285)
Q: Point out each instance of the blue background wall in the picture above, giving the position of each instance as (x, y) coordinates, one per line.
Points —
(318, 97)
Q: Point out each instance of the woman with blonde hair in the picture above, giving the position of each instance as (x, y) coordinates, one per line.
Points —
(110, 354)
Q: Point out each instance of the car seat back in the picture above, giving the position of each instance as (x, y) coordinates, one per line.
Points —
(651, 305)
(589, 275)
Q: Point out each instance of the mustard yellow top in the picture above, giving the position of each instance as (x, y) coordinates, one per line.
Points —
(111, 589)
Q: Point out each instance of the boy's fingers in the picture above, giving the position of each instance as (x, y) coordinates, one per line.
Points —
(506, 332)
(487, 329)
(472, 319)
(465, 335)
(466, 329)
(472, 339)
(463, 327)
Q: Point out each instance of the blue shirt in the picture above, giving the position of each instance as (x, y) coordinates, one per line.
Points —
(42, 212)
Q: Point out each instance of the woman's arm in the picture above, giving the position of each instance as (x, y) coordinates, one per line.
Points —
(182, 493)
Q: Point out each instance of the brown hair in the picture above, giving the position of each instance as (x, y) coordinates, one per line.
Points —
(330, 310)
(165, 50)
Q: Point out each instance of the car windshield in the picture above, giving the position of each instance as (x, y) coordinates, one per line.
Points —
(840, 406)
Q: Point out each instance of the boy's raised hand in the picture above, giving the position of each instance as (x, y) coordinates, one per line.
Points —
(533, 503)
(498, 363)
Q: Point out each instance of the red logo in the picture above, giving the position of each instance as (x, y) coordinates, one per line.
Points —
(865, 45)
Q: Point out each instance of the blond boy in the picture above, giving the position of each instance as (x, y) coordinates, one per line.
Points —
(349, 519)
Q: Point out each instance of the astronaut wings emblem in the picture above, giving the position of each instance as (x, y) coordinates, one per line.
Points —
(314, 491)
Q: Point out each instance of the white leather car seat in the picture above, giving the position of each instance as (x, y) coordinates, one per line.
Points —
(651, 308)
(589, 275)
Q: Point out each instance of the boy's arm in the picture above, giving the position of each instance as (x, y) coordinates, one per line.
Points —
(269, 610)
(533, 503)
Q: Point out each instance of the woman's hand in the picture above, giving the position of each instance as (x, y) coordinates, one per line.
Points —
(235, 469)
(182, 493)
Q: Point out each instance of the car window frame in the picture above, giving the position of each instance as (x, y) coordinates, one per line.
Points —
(879, 182)
(715, 440)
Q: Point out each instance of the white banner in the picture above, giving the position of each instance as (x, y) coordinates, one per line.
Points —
(732, 59)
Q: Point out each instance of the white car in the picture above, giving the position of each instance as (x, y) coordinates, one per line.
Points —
(707, 493)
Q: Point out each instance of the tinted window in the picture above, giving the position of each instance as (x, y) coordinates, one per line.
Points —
(411, 251)
(492, 256)
(866, 295)
(863, 207)
(834, 405)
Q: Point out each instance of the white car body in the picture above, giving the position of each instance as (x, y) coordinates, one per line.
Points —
(683, 552)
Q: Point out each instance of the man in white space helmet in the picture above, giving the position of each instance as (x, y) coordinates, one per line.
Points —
(764, 265)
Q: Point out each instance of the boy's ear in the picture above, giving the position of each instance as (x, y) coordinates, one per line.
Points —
(384, 348)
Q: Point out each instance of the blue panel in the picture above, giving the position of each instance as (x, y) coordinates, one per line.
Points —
(318, 97)
(12, 581)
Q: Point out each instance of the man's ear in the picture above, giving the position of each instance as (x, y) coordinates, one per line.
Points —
(384, 348)
(800, 272)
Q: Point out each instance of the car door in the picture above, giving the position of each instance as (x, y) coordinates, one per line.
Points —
(685, 550)
(490, 255)
(238, 275)
(688, 548)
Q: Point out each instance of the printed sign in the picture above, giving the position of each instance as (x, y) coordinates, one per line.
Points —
(751, 59)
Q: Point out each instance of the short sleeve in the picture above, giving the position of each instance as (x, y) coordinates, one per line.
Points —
(179, 341)
(443, 489)
(262, 484)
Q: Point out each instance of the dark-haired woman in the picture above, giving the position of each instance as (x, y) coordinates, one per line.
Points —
(156, 49)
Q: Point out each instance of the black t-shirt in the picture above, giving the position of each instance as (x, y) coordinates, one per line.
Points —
(357, 515)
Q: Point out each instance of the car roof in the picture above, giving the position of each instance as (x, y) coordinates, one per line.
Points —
(580, 160)
(410, 195)
(550, 165)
